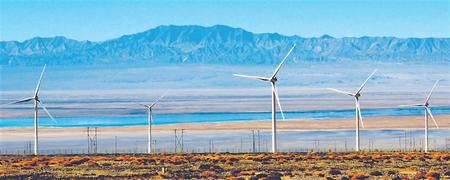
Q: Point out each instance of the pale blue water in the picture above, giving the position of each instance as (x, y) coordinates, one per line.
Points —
(135, 120)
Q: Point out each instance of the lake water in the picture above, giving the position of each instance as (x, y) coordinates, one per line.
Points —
(135, 120)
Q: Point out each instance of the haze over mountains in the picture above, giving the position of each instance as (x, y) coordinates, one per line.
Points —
(219, 45)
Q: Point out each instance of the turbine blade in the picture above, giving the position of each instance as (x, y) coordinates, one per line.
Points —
(39, 82)
(411, 105)
(358, 106)
(342, 92)
(21, 101)
(48, 113)
(274, 89)
(154, 103)
(364, 83)
(429, 95)
(145, 105)
(431, 115)
(282, 62)
(253, 77)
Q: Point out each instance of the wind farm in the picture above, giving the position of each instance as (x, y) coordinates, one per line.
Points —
(236, 90)
(303, 133)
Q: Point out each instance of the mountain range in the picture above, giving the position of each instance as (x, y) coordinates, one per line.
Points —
(219, 44)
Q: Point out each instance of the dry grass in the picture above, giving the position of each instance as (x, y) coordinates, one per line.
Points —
(312, 165)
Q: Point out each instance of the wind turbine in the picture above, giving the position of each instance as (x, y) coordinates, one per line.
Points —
(273, 79)
(37, 102)
(358, 116)
(427, 113)
(149, 121)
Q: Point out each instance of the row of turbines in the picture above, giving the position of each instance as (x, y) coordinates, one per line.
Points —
(358, 117)
(275, 102)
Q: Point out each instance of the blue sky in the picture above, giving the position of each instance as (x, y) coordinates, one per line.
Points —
(106, 19)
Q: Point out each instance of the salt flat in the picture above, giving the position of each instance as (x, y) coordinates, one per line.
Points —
(294, 135)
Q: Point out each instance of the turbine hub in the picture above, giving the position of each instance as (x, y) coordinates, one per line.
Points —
(357, 95)
(274, 79)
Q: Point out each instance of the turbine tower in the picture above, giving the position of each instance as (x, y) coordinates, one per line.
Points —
(37, 102)
(275, 100)
(356, 96)
(149, 121)
(427, 113)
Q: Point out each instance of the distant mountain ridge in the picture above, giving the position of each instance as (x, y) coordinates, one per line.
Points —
(219, 44)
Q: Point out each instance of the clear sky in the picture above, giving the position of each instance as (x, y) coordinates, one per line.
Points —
(105, 19)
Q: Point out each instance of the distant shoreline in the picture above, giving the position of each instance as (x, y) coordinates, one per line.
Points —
(371, 123)
(208, 117)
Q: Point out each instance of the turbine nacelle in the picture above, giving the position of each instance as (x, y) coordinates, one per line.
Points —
(275, 99)
(37, 103)
(358, 115)
(357, 94)
(150, 106)
(426, 104)
(274, 80)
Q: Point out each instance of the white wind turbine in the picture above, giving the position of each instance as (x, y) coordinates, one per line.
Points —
(37, 102)
(149, 121)
(357, 106)
(427, 113)
(275, 100)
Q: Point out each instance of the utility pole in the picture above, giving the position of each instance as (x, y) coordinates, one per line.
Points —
(446, 143)
(210, 145)
(92, 139)
(178, 140)
(182, 140)
(241, 145)
(266, 144)
(88, 141)
(373, 145)
(253, 141)
(345, 148)
(115, 144)
(405, 141)
(259, 142)
(335, 146)
(95, 140)
(175, 140)
(29, 146)
(318, 145)
(410, 140)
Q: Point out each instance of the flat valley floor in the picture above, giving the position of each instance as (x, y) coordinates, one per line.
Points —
(404, 133)
(311, 165)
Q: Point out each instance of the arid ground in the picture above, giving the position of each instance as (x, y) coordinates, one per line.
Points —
(380, 133)
(311, 165)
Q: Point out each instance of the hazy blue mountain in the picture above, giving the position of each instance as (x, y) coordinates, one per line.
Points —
(219, 45)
